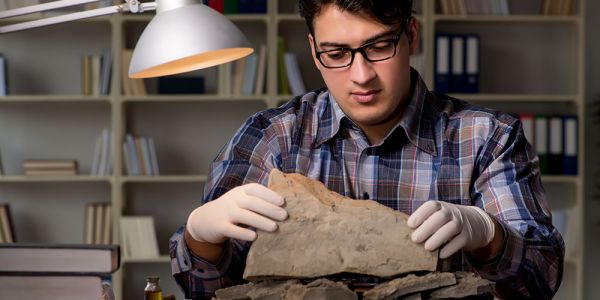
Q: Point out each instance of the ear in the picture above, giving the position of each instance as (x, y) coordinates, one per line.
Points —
(413, 35)
(311, 42)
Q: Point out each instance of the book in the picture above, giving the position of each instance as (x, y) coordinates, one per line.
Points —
(50, 167)
(527, 122)
(95, 75)
(89, 224)
(140, 156)
(571, 146)
(131, 87)
(442, 63)
(225, 77)
(284, 87)
(45, 164)
(231, 6)
(106, 225)
(27, 258)
(3, 76)
(555, 150)
(98, 223)
(259, 87)
(217, 5)
(51, 287)
(138, 237)
(541, 142)
(237, 76)
(7, 233)
(105, 153)
(471, 84)
(153, 157)
(293, 74)
(135, 167)
(86, 75)
(97, 155)
(249, 79)
(105, 71)
(146, 159)
(457, 65)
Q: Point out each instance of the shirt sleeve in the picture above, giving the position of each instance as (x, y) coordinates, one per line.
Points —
(509, 188)
(247, 158)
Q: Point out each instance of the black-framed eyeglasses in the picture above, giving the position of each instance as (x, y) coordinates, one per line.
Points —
(374, 51)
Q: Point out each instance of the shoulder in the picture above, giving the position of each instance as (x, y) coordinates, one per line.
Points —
(478, 121)
(291, 115)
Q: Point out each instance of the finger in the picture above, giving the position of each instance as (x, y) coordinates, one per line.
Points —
(431, 225)
(239, 233)
(249, 218)
(260, 191)
(443, 235)
(456, 244)
(264, 208)
(422, 213)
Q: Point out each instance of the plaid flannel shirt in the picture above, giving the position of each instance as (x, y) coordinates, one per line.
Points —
(442, 149)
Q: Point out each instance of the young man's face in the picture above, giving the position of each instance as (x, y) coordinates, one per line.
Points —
(370, 93)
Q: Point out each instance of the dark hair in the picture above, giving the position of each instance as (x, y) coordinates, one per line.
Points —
(388, 12)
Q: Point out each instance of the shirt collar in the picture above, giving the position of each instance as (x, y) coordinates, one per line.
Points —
(417, 122)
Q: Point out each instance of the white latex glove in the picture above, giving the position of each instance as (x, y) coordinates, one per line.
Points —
(459, 227)
(250, 205)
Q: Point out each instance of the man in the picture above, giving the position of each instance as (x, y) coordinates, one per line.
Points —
(466, 175)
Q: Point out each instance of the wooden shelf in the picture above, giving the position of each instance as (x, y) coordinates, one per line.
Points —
(235, 18)
(55, 98)
(164, 179)
(508, 19)
(40, 178)
(517, 97)
(160, 259)
(191, 98)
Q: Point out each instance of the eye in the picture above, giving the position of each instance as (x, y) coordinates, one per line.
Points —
(336, 54)
(380, 46)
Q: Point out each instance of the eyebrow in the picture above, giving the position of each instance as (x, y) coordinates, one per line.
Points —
(366, 41)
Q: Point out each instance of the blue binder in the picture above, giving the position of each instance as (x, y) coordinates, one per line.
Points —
(442, 63)
(472, 63)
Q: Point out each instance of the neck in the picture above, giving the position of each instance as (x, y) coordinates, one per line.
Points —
(376, 133)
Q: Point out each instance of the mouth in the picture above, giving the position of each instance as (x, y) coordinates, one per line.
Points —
(365, 96)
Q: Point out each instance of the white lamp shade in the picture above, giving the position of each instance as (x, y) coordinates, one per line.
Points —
(184, 39)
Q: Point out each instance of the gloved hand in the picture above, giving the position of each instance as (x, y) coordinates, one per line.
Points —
(249, 205)
(459, 227)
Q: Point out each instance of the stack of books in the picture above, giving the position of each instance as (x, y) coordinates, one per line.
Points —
(57, 271)
(51, 167)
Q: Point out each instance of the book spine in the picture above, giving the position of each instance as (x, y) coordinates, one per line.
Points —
(457, 65)
(541, 142)
(284, 88)
(442, 63)
(135, 168)
(472, 64)
(556, 151)
(571, 143)
(153, 157)
(3, 77)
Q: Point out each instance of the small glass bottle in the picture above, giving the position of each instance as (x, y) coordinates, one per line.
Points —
(152, 290)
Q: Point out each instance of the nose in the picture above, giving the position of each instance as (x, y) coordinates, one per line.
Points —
(361, 70)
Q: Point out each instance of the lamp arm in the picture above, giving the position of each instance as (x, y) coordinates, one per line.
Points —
(133, 6)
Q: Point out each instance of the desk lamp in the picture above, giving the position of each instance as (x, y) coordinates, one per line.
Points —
(185, 35)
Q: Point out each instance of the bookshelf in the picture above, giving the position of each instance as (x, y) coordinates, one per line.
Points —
(45, 116)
